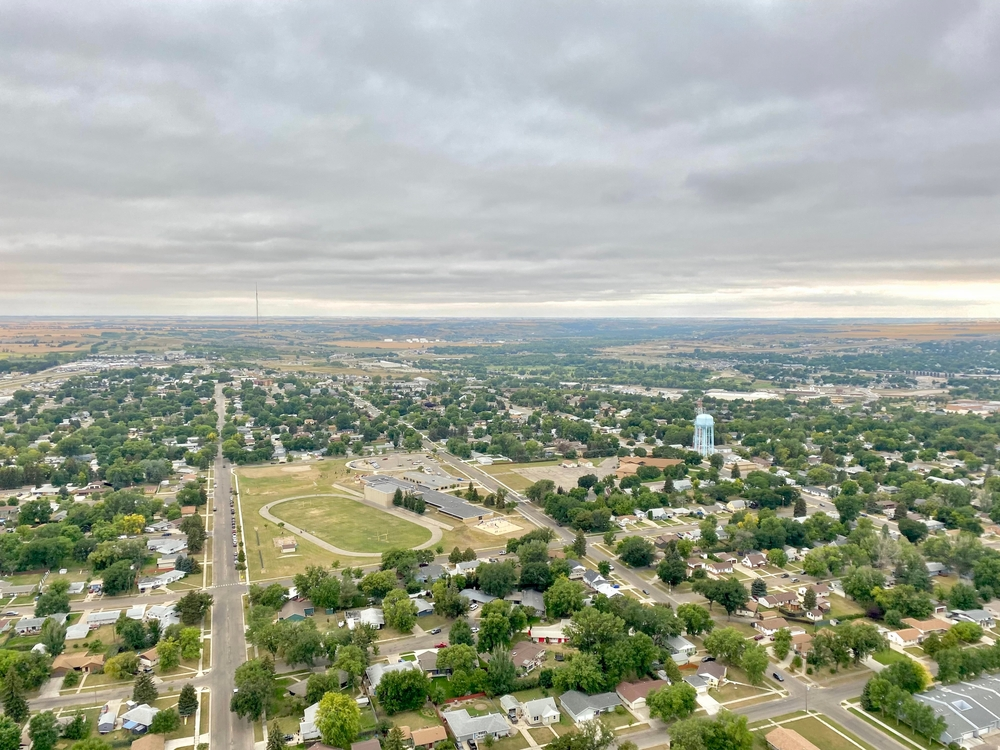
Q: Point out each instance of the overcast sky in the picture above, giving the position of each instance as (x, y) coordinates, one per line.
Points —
(501, 158)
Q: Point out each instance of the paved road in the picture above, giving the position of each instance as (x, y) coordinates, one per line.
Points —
(229, 648)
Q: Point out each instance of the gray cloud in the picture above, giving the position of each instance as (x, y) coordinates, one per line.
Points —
(500, 158)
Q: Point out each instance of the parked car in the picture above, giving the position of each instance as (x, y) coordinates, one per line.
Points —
(435, 631)
(645, 592)
(784, 575)
(759, 637)
(777, 676)
(708, 658)
(473, 607)
(441, 645)
(473, 630)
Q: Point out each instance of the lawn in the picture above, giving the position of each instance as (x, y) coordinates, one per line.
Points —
(889, 656)
(914, 739)
(843, 607)
(542, 735)
(421, 719)
(264, 484)
(515, 742)
(820, 734)
(351, 525)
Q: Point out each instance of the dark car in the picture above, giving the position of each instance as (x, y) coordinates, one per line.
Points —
(784, 575)
(777, 676)
(708, 658)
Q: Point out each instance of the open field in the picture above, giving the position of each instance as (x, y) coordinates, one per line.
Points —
(350, 525)
(825, 734)
(260, 485)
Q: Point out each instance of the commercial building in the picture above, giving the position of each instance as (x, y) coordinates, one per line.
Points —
(380, 489)
(971, 709)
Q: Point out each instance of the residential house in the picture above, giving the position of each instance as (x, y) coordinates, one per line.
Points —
(512, 706)
(576, 570)
(374, 673)
(580, 707)
(681, 649)
(541, 711)
(428, 662)
(33, 625)
(370, 616)
(527, 655)
(296, 610)
(106, 617)
(754, 560)
(695, 563)
(76, 632)
(633, 694)
(549, 633)
(465, 566)
(428, 736)
(719, 569)
(77, 662)
(926, 627)
(593, 579)
(771, 625)
(802, 643)
(423, 606)
(530, 599)
(788, 599)
(713, 672)
(783, 738)
(792, 553)
(106, 721)
(372, 744)
(465, 727)
(657, 514)
(734, 505)
(699, 683)
(307, 727)
(139, 718)
(979, 616)
(149, 658)
(905, 638)
(429, 573)
(475, 595)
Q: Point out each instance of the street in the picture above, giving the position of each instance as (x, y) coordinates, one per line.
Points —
(229, 648)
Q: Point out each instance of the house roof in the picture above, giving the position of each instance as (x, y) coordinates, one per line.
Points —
(541, 707)
(908, 634)
(428, 660)
(713, 669)
(463, 724)
(77, 661)
(632, 691)
(475, 595)
(576, 702)
(299, 689)
(928, 625)
(526, 652)
(428, 735)
(372, 744)
(142, 714)
(376, 671)
(788, 739)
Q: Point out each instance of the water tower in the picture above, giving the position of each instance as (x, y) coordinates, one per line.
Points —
(704, 433)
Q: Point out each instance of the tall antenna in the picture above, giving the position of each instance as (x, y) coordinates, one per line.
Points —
(256, 300)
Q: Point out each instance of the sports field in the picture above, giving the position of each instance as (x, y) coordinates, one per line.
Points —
(350, 525)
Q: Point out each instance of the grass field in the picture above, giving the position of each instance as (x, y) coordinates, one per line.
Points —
(914, 740)
(889, 656)
(819, 734)
(264, 484)
(348, 524)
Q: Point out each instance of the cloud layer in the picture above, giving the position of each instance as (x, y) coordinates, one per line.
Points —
(516, 158)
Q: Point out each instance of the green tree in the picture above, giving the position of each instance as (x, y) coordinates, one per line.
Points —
(275, 735)
(169, 653)
(194, 527)
(501, 674)
(43, 729)
(758, 588)
(351, 659)
(563, 598)
(580, 544)
(91, 743)
(782, 643)
(12, 692)
(460, 658)
(10, 734)
(55, 599)
(461, 633)
(754, 662)
(338, 719)
(809, 600)
(193, 606)
(78, 728)
(724, 732)
(165, 722)
(635, 551)
(672, 702)
(143, 689)
(402, 691)
(394, 740)
(494, 632)
(54, 637)
(122, 666)
(254, 682)
(119, 578)
(399, 610)
(379, 583)
(497, 579)
(187, 703)
(800, 507)
(696, 619)
(727, 644)
(190, 643)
